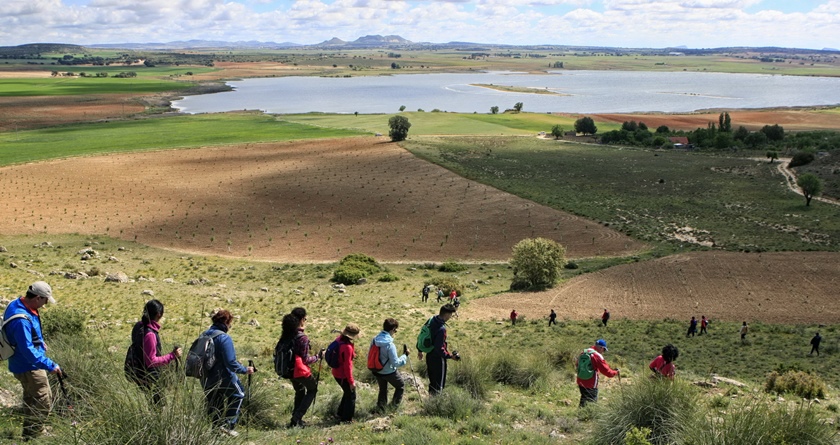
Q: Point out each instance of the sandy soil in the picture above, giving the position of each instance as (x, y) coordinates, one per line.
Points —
(24, 74)
(790, 119)
(296, 202)
(230, 70)
(789, 287)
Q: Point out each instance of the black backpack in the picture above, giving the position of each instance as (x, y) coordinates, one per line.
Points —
(284, 357)
(134, 368)
(202, 356)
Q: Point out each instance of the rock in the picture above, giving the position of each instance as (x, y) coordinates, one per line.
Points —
(315, 294)
(554, 434)
(264, 289)
(116, 277)
(341, 290)
(75, 275)
(297, 292)
(87, 251)
(253, 322)
(13, 265)
(169, 280)
(379, 424)
(716, 378)
(113, 259)
(86, 257)
(361, 281)
(338, 286)
(35, 272)
(3, 249)
(121, 249)
(148, 292)
(566, 402)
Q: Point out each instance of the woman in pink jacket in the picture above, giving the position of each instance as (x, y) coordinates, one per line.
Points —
(144, 359)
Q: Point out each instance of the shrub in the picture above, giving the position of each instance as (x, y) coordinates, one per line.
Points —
(517, 369)
(63, 321)
(801, 158)
(348, 275)
(759, 422)
(399, 126)
(355, 266)
(662, 406)
(447, 284)
(470, 375)
(801, 383)
(536, 262)
(453, 403)
(452, 266)
(388, 278)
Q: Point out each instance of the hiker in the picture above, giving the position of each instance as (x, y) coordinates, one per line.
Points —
(605, 317)
(29, 363)
(303, 382)
(589, 364)
(703, 323)
(425, 293)
(439, 295)
(663, 365)
(513, 316)
(457, 303)
(692, 327)
(390, 362)
(815, 344)
(743, 331)
(343, 374)
(552, 318)
(436, 359)
(452, 295)
(222, 388)
(144, 360)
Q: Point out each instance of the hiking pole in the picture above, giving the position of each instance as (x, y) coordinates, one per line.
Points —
(61, 375)
(413, 377)
(318, 376)
(248, 424)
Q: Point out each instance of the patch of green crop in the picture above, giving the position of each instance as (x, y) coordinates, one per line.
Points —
(78, 86)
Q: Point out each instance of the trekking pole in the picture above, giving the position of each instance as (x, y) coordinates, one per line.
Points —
(413, 377)
(248, 424)
(318, 376)
(61, 375)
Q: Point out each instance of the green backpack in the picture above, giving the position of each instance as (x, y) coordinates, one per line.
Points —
(425, 343)
(585, 370)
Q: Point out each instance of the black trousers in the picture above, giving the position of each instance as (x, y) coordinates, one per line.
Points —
(305, 390)
(436, 368)
(395, 380)
(587, 395)
(347, 406)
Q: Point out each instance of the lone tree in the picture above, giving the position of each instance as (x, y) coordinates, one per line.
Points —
(399, 128)
(773, 155)
(536, 263)
(518, 106)
(585, 125)
(557, 131)
(811, 186)
(494, 109)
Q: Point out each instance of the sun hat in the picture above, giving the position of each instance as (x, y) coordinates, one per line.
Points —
(42, 289)
(602, 343)
(351, 331)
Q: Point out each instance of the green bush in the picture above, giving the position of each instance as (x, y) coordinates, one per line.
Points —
(453, 403)
(536, 263)
(663, 406)
(355, 266)
(60, 321)
(447, 284)
(516, 369)
(348, 275)
(470, 375)
(388, 278)
(754, 422)
(801, 158)
(452, 266)
(801, 383)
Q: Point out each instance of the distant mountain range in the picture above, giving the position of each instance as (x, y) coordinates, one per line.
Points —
(369, 41)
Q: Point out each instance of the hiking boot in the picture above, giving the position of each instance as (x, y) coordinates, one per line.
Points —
(228, 431)
(297, 424)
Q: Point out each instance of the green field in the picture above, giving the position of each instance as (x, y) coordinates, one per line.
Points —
(152, 134)
(740, 203)
(80, 86)
(537, 395)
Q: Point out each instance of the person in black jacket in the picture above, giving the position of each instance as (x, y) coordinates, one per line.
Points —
(815, 344)
(436, 359)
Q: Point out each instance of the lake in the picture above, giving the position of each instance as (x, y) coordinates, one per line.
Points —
(576, 91)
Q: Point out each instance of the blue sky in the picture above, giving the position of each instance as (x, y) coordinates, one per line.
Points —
(619, 23)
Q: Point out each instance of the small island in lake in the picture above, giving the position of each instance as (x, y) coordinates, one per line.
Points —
(513, 89)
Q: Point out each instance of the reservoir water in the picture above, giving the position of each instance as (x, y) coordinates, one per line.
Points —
(576, 91)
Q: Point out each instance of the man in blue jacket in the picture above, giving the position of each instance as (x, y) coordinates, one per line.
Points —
(30, 364)
(222, 387)
(390, 362)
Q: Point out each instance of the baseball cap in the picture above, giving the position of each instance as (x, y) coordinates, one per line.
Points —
(602, 343)
(42, 289)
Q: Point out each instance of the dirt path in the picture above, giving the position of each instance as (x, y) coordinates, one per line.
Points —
(785, 287)
(790, 180)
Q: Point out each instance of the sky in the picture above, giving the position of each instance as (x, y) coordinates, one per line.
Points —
(813, 24)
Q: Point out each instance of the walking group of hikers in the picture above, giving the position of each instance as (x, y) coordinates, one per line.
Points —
(212, 359)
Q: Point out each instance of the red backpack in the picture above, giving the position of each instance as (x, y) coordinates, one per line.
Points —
(373, 361)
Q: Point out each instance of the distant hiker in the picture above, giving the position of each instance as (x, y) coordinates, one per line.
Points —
(438, 353)
(552, 318)
(703, 323)
(426, 293)
(663, 365)
(605, 317)
(222, 388)
(815, 344)
(439, 295)
(29, 362)
(588, 364)
(457, 303)
(743, 331)
(692, 327)
(452, 295)
(303, 382)
(343, 373)
(143, 361)
(389, 361)
(513, 316)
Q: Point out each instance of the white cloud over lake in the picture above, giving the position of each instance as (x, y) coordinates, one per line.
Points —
(623, 23)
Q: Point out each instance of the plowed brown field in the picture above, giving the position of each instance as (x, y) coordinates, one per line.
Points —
(790, 119)
(791, 287)
(20, 113)
(296, 202)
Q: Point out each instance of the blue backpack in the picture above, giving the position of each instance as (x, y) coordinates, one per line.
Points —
(331, 354)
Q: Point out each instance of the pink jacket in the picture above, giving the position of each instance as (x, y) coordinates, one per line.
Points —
(150, 357)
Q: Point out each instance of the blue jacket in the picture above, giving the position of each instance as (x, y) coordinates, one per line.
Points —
(226, 366)
(25, 335)
(388, 353)
(438, 330)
